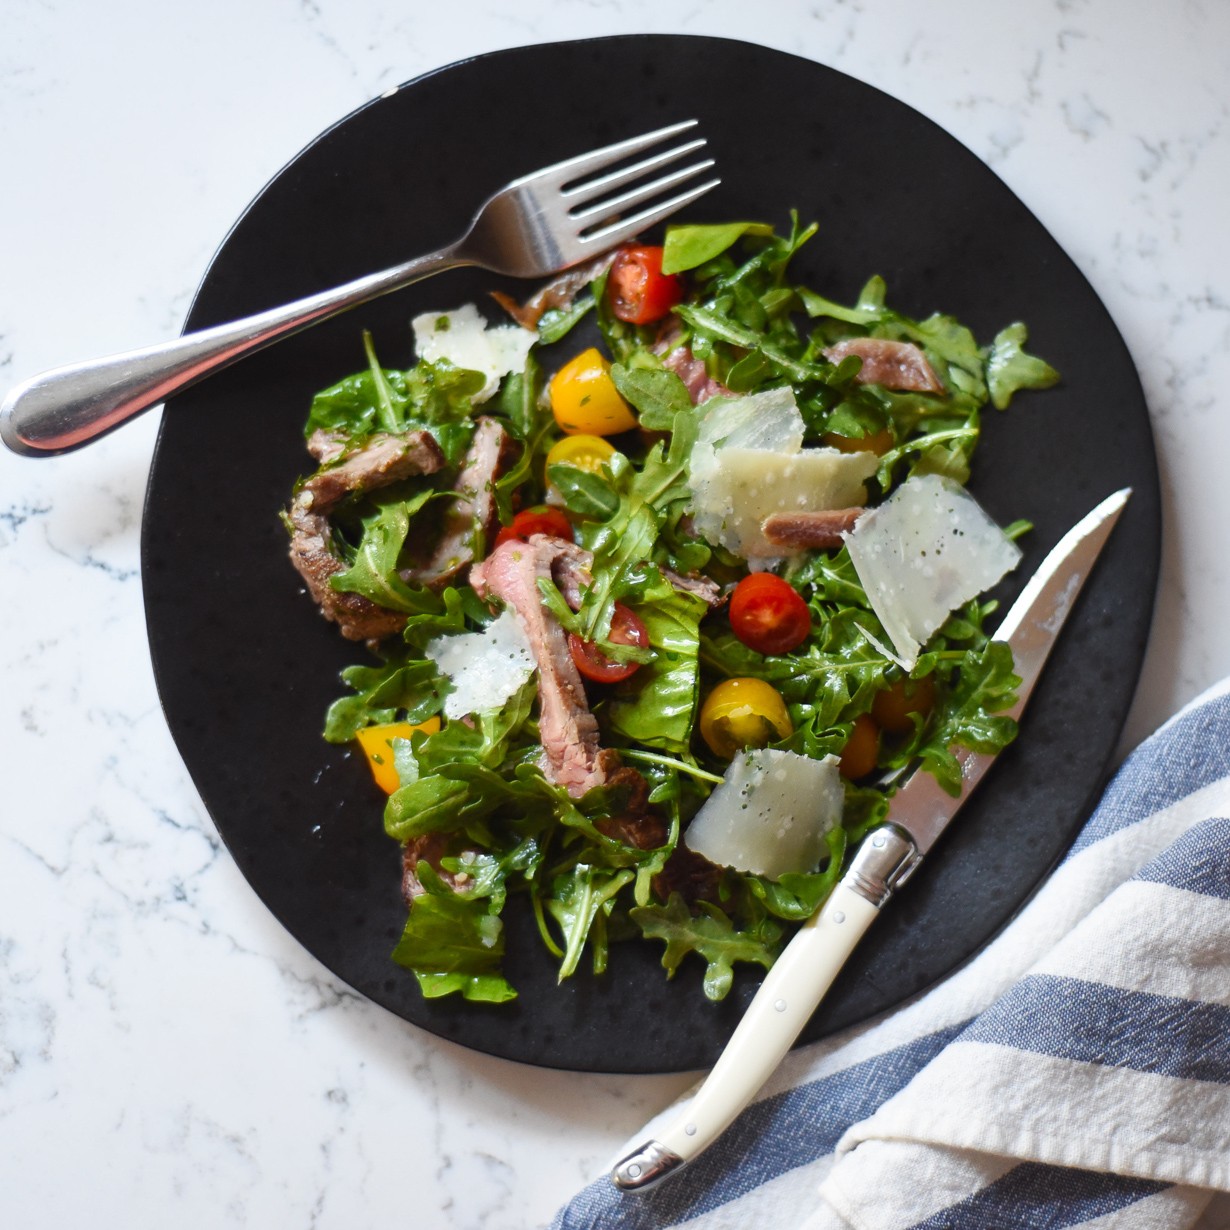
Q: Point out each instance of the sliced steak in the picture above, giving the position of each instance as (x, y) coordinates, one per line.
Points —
(472, 514)
(810, 531)
(430, 848)
(895, 365)
(696, 379)
(566, 727)
(383, 460)
(570, 572)
(560, 292)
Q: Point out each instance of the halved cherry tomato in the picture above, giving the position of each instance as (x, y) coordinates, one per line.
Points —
(741, 713)
(377, 745)
(895, 707)
(535, 521)
(589, 453)
(638, 290)
(627, 628)
(858, 757)
(584, 398)
(768, 614)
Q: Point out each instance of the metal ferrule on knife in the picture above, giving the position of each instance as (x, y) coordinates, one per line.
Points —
(882, 864)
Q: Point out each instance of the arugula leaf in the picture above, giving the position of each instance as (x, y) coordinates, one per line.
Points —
(1010, 369)
(619, 546)
(656, 393)
(584, 493)
(711, 935)
(557, 323)
(656, 707)
(578, 901)
(969, 715)
(398, 686)
(686, 247)
(797, 896)
(453, 943)
(374, 570)
(436, 396)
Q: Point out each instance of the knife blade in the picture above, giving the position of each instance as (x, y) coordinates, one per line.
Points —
(887, 857)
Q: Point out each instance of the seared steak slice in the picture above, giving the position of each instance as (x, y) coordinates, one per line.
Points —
(311, 552)
(691, 370)
(810, 530)
(383, 460)
(430, 848)
(895, 365)
(680, 360)
(473, 511)
(570, 572)
(566, 727)
(558, 293)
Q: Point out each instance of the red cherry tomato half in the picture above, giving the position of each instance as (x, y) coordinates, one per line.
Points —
(768, 615)
(627, 628)
(535, 521)
(639, 291)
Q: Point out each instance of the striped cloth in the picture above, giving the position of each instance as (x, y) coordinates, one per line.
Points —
(1076, 1073)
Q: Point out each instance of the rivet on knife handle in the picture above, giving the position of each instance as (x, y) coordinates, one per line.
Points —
(780, 1009)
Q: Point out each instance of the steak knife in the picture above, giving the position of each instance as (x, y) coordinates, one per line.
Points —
(886, 858)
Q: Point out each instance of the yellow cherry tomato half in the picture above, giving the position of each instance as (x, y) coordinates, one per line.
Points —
(741, 713)
(589, 453)
(377, 745)
(584, 398)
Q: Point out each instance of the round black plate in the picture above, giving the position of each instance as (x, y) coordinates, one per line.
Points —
(246, 667)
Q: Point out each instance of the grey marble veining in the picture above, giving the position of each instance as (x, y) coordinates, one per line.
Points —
(167, 1054)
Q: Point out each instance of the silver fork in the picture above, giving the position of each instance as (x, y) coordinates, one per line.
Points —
(535, 226)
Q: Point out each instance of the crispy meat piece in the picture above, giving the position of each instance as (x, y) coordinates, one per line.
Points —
(895, 365)
(636, 824)
(818, 530)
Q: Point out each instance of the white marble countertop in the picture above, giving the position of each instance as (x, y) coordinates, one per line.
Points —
(168, 1055)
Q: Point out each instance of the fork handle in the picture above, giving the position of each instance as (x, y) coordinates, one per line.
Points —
(68, 407)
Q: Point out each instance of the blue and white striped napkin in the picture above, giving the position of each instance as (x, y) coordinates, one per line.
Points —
(1076, 1073)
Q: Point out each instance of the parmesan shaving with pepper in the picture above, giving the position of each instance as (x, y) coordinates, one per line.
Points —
(928, 549)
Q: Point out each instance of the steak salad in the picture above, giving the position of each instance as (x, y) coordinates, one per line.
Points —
(655, 623)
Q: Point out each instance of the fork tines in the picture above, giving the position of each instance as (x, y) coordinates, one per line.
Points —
(595, 201)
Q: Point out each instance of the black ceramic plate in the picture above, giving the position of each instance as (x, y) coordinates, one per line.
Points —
(246, 667)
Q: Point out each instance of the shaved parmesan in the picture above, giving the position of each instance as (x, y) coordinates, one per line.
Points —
(928, 549)
(484, 668)
(768, 420)
(749, 462)
(464, 339)
(747, 485)
(771, 814)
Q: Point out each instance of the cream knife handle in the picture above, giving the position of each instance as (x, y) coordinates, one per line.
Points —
(781, 1008)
